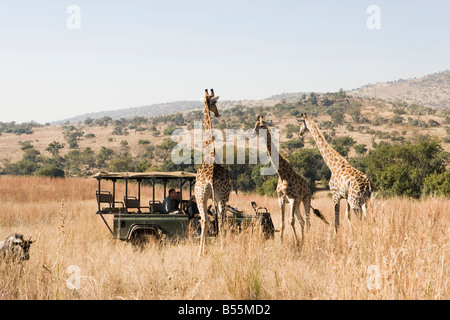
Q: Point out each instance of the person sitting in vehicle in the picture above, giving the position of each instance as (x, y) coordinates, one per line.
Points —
(179, 200)
(194, 215)
(192, 208)
(170, 203)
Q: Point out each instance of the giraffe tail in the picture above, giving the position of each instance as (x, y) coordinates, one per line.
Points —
(320, 215)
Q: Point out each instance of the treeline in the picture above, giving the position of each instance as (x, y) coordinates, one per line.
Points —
(18, 128)
(412, 169)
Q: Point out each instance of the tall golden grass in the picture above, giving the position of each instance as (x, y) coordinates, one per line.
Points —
(405, 241)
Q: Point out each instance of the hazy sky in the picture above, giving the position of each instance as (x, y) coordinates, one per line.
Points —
(134, 53)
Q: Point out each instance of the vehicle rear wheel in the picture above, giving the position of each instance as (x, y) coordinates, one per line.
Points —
(144, 238)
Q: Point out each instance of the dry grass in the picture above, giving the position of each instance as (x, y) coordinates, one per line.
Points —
(406, 239)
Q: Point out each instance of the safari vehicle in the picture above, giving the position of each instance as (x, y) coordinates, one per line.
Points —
(136, 220)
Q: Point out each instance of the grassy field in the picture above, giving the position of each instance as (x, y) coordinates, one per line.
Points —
(401, 251)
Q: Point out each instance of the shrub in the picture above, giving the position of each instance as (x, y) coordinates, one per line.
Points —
(269, 187)
(400, 170)
(50, 171)
(437, 184)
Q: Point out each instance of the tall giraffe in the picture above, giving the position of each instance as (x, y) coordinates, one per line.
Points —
(346, 182)
(213, 180)
(291, 187)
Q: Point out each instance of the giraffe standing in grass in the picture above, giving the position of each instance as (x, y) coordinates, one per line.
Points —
(346, 182)
(291, 187)
(213, 180)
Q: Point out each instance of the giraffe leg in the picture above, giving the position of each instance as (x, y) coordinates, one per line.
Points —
(347, 211)
(203, 209)
(347, 214)
(358, 213)
(221, 212)
(295, 211)
(336, 200)
(281, 202)
(364, 210)
(307, 206)
(300, 218)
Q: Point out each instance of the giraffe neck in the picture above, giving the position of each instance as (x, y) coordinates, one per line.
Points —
(331, 157)
(208, 148)
(283, 164)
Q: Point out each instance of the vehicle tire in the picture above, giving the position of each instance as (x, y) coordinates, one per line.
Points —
(145, 237)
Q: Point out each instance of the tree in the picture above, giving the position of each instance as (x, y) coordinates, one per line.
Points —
(342, 93)
(122, 164)
(291, 129)
(310, 164)
(54, 148)
(104, 155)
(165, 148)
(269, 187)
(169, 130)
(400, 170)
(360, 149)
(72, 135)
(343, 144)
(337, 117)
(103, 122)
(313, 98)
(291, 146)
(355, 113)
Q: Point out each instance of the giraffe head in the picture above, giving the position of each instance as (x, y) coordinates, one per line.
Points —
(259, 125)
(210, 102)
(304, 123)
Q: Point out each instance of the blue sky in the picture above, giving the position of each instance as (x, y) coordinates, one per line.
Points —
(134, 53)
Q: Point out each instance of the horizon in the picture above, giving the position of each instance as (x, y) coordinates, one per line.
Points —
(65, 59)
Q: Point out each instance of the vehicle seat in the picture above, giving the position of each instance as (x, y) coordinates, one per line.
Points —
(155, 207)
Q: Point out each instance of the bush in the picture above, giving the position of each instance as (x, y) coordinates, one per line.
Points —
(122, 164)
(361, 149)
(269, 187)
(50, 171)
(310, 164)
(89, 136)
(343, 144)
(169, 130)
(437, 184)
(400, 170)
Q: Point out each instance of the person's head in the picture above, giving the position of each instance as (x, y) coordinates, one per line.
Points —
(172, 194)
(178, 196)
(193, 199)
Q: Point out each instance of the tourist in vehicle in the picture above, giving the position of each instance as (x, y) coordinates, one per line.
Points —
(179, 201)
(192, 208)
(170, 203)
(194, 215)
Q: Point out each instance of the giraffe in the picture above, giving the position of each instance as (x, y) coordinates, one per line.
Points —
(346, 182)
(213, 180)
(291, 187)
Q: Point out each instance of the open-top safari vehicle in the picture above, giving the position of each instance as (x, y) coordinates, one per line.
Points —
(136, 220)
